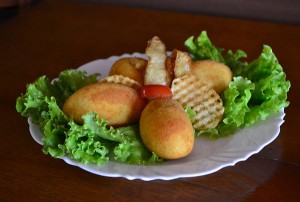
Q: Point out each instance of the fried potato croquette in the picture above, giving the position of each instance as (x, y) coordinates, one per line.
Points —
(166, 129)
(214, 74)
(156, 72)
(118, 104)
(133, 68)
(207, 104)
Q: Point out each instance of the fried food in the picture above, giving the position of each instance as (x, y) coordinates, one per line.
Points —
(156, 72)
(118, 104)
(214, 74)
(166, 129)
(170, 67)
(133, 68)
(182, 63)
(119, 79)
(189, 91)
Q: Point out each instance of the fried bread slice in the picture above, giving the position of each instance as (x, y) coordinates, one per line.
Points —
(156, 72)
(182, 63)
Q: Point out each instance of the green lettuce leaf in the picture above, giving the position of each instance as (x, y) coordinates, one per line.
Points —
(258, 89)
(271, 86)
(83, 142)
(190, 112)
(54, 129)
(33, 102)
(237, 97)
(93, 141)
(71, 80)
(202, 48)
(40, 102)
(132, 149)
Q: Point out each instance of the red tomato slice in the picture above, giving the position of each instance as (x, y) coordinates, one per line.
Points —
(155, 91)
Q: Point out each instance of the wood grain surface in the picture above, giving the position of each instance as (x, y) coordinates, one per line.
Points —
(51, 36)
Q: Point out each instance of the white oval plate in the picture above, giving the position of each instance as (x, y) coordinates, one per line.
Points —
(207, 156)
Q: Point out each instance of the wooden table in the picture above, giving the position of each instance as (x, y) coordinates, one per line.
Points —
(51, 36)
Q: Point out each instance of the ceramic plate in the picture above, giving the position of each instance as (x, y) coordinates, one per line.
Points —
(206, 158)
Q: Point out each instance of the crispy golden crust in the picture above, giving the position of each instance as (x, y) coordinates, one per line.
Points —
(133, 68)
(166, 130)
(214, 74)
(118, 104)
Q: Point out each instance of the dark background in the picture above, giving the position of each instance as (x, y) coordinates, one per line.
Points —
(278, 11)
(283, 11)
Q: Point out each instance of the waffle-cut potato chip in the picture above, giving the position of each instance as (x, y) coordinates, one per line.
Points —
(207, 104)
(156, 72)
(119, 79)
(182, 63)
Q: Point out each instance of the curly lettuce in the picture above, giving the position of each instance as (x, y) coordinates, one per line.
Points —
(202, 48)
(258, 88)
(93, 141)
